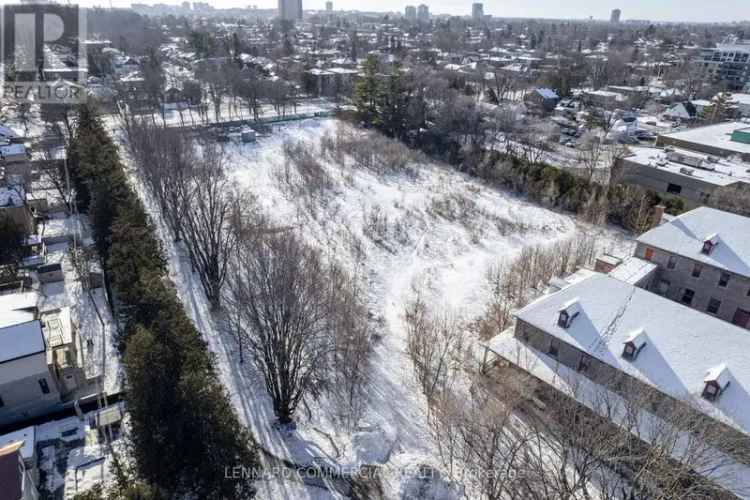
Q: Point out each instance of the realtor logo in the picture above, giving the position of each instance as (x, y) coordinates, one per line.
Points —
(43, 59)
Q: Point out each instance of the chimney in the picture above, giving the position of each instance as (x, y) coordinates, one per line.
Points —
(657, 215)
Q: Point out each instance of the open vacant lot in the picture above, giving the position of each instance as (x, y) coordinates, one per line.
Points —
(400, 224)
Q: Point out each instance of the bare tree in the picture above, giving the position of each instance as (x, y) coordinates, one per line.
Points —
(165, 158)
(352, 345)
(284, 312)
(210, 203)
(435, 343)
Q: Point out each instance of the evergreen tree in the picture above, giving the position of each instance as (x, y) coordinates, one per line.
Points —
(392, 104)
(366, 91)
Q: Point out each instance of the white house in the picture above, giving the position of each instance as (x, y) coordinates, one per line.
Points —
(28, 386)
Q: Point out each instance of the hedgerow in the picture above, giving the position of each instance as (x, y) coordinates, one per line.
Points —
(183, 431)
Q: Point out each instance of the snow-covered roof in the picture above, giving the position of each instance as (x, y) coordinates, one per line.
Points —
(7, 132)
(682, 344)
(743, 99)
(10, 197)
(547, 93)
(632, 270)
(730, 474)
(18, 301)
(685, 235)
(12, 149)
(721, 171)
(20, 340)
(10, 318)
(718, 136)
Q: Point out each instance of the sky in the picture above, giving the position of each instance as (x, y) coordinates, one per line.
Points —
(656, 10)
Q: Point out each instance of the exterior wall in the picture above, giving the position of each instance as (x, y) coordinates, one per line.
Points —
(613, 379)
(665, 140)
(736, 295)
(693, 191)
(20, 390)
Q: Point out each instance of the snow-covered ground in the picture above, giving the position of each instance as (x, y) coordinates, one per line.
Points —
(438, 230)
(235, 110)
(90, 310)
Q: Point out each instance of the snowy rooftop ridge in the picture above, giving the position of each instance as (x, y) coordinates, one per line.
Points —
(685, 235)
(681, 345)
(735, 475)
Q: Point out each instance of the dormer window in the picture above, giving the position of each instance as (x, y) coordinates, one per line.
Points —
(633, 345)
(710, 243)
(568, 313)
(716, 382)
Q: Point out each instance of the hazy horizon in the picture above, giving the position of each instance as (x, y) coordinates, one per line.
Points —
(664, 10)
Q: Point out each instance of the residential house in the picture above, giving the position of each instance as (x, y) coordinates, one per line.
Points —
(41, 364)
(703, 259)
(542, 99)
(601, 338)
(681, 112)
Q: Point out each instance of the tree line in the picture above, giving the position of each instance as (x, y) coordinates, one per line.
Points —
(294, 313)
(434, 115)
(183, 431)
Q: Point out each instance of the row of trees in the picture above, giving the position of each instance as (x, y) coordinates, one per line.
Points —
(183, 431)
(298, 316)
(426, 112)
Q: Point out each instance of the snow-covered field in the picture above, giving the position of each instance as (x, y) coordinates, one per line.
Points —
(433, 228)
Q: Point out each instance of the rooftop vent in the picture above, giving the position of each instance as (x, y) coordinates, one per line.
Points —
(709, 244)
(686, 171)
(715, 382)
(633, 345)
(568, 313)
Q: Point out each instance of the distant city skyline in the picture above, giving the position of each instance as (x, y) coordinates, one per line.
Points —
(664, 10)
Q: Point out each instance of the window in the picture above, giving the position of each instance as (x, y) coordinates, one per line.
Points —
(584, 363)
(2, 403)
(687, 296)
(724, 280)
(713, 306)
(748, 292)
(554, 348)
(710, 391)
(629, 351)
(562, 320)
(674, 188)
(697, 268)
(43, 385)
(672, 262)
(649, 253)
(663, 287)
